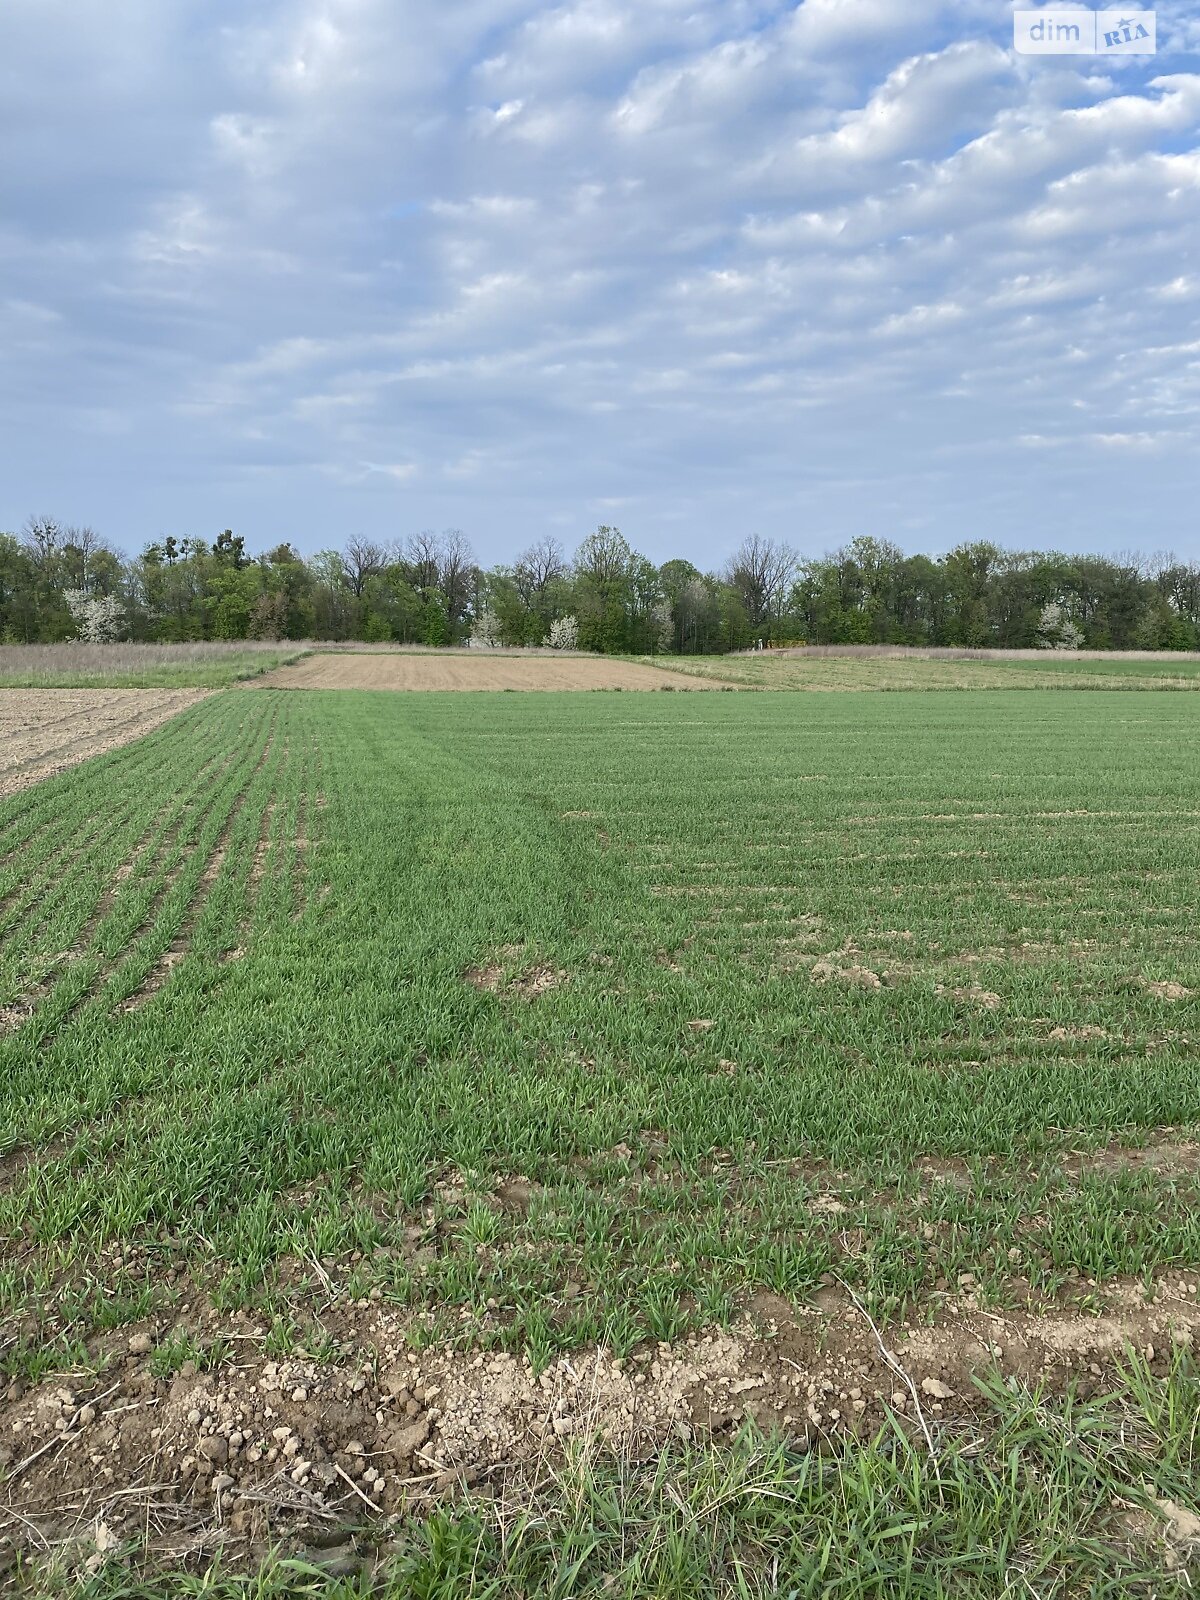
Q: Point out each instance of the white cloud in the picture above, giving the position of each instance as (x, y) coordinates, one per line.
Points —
(184, 234)
(725, 79)
(922, 104)
(922, 320)
(1184, 287)
(844, 25)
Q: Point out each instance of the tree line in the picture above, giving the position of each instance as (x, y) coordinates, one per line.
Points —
(59, 582)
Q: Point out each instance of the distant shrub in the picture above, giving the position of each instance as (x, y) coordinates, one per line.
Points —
(564, 634)
(98, 618)
(485, 633)
(1056, 631)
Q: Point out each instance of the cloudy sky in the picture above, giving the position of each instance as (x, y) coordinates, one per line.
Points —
(310, 268)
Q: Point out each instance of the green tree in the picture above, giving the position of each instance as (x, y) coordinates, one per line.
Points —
(603, 577)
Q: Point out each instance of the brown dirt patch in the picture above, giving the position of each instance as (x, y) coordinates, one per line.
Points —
(498, 977)
(853, 975)
(466, 670)
(1164, 1157)
(538, 980)
(44, 731)
(1169, 991)
(970, 995)
(266, 1448)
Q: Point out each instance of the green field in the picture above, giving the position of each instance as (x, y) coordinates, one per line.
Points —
(1052, 670)
(537, 1024)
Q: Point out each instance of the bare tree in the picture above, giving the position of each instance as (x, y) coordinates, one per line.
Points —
(43, 538)
(423, 554)
(695, 612)
(364, 559)
(1161, 561)
(81, 546)
(762, 571)
(537, 568)
(43, 541)
(457, 565)
(1135, 561)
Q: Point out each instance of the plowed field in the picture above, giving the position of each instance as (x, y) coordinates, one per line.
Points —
(445, 670)
(43, 731)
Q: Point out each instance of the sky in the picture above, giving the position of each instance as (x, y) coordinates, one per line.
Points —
(312, 269)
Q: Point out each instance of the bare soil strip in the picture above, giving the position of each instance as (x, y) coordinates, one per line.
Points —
(44, 731)
(481, 670)
(267, 1447)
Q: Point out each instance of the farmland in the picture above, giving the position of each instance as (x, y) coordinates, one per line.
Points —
(45, 731)
(397, 1090)
(207, 665)
(824, 670)
(471, 670)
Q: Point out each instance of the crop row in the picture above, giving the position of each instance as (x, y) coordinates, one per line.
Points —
(577, 1016)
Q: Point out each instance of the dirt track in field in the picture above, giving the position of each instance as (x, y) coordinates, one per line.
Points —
(471, 671)
(262, 1450)
(44, 731)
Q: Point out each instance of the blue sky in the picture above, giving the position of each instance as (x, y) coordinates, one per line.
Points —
(315, 268)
